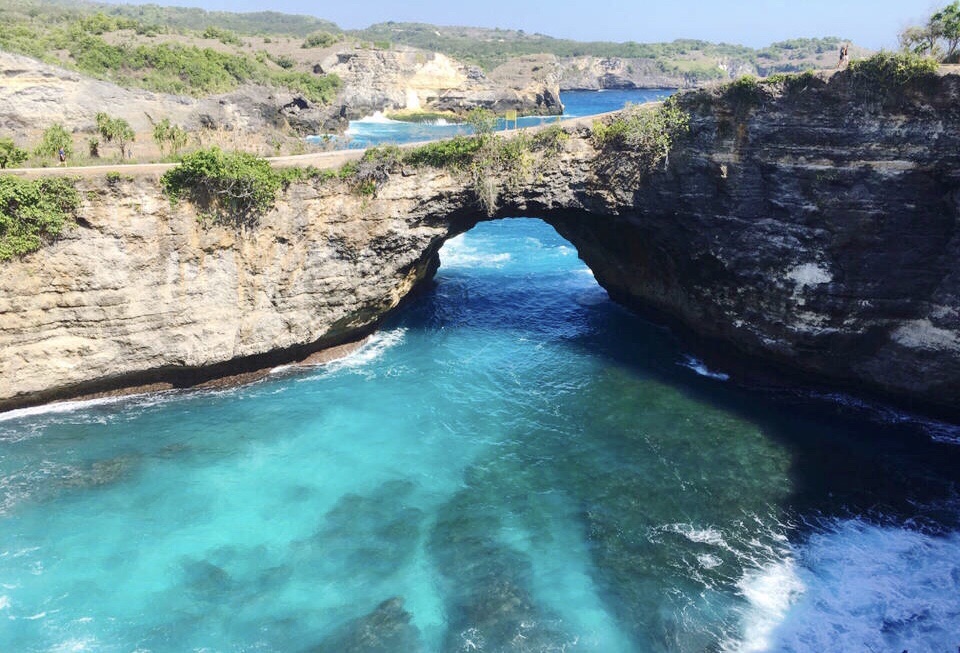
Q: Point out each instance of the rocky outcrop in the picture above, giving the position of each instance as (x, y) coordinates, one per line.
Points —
(34, 96)
(815, 227)
(414, 80)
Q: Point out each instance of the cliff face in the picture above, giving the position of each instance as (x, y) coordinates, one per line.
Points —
(407, 79)
(814, 227)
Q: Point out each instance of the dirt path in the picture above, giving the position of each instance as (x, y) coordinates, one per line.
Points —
(321, 160)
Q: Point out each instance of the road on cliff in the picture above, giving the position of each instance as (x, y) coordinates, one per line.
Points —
(321, 160)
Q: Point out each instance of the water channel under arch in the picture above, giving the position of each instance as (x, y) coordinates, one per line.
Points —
(513, 462)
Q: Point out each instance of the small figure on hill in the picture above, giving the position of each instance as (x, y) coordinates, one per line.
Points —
(62, 153)
(844, 56)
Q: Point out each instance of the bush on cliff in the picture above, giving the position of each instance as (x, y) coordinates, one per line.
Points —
(33, 212)
(228, 187)
(10, 154)
(886, 69)
(643, 134)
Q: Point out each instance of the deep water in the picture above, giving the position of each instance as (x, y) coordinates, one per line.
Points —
(513, 463)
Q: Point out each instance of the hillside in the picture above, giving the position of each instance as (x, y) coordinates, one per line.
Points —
(695, 59)
(197, 52)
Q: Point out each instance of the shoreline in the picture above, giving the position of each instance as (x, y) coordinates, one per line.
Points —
(321, 356)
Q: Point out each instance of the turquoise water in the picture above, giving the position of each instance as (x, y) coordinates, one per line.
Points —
(377, 129)
(513, 463)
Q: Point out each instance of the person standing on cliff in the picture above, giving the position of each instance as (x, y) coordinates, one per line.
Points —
(844, 56)
(62, 153)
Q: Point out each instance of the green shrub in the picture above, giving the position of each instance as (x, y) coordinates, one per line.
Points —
(885, 69)
(639, 138)
(229, 187)
(54, 138)
(321, 40)
(316, 88)
(225, 36)
(283, 61)
(33, 212)
(455, 153)
(744, 92)
(115, 130)
(791, 82)
(11, 155)
(551, 139)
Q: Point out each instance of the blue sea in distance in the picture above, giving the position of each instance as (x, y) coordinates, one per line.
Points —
(512, 463)
(377, 129)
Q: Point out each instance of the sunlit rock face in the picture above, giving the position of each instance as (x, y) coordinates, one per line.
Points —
(814, 227)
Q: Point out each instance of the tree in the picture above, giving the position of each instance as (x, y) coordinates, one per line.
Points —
(55, 138)
(940, 37)
(115, 129)
(945, 25)
(10, 154)
(165, 133)
(483, 121)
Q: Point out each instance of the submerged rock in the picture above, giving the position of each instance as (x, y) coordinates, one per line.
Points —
(388, 629)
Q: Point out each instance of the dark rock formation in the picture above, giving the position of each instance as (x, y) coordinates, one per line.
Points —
(387, 629)
(812, 225)
(815, 227)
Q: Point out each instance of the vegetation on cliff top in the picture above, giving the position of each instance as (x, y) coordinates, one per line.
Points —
(228, 187)
(695, 59)
(131, 52)
(640, 138)
(33, 212)
(160, 48)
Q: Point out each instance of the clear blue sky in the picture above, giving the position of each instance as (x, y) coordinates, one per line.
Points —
(871, 23)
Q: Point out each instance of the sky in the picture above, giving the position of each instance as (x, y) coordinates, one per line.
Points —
(757, 23)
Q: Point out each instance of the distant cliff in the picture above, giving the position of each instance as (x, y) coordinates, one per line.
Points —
(414, 80)
(812, 223)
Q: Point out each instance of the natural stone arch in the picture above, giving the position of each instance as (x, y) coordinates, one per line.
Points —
(825, 242)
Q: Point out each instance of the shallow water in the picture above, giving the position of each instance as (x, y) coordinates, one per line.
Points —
(513, 463)
(377, 129)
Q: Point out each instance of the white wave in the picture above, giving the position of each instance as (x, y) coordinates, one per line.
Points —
(769, 591)
(4, 602)
(63, 407)
(377, 118)
(699, 535)
(856, 587)
(371, 349)
(456, 253)
(709, 561)
(701, 368)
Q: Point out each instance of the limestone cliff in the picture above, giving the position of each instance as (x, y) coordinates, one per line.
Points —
(415, 80)
(814, 227)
